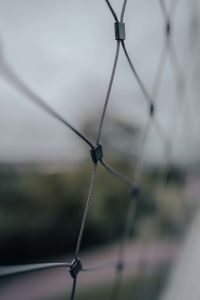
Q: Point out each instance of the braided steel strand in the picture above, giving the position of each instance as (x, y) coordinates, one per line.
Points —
(123, 10)
(21, 86)
(108, 92)
(89, 199)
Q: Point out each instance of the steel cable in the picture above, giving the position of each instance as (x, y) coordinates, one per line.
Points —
(167, 50)
(20, 85)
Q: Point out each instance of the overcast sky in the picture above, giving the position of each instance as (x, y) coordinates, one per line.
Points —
(64, 51)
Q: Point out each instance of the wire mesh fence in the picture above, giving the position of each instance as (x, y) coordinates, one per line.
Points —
(96, 149)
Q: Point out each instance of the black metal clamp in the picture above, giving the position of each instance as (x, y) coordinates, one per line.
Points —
(135, 191)
(75, 267)
(120, 33)
(96, 153)
(151, 109)
(120, 266)
(168, 28)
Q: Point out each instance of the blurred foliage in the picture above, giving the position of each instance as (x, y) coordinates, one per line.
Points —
(40, 212)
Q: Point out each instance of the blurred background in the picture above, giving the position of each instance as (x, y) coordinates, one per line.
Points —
(63, 50)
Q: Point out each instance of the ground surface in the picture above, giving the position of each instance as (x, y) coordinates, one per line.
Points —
(50, 284)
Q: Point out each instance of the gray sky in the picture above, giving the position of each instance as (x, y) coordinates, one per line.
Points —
(64, 51)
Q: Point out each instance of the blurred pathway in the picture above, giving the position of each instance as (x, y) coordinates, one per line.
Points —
(52, 283)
